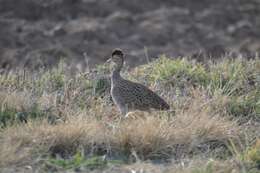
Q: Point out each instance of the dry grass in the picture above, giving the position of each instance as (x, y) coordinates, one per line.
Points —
(149, 137)
(198, 165)
(15, 100)
(65, 116)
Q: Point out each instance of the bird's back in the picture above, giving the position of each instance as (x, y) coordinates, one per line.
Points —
(136, 96)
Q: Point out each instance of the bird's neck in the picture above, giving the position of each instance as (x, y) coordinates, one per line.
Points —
(115, 76)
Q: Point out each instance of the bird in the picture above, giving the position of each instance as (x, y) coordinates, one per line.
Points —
(130, 96)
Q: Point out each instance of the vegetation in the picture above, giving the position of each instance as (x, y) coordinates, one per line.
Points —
(253, 154)
(55, 121)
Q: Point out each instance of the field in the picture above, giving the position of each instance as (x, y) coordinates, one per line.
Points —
(54, 121)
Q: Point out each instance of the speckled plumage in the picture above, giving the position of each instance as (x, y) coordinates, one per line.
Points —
(128, 95)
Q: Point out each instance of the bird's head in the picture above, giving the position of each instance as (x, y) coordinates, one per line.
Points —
(117, 58)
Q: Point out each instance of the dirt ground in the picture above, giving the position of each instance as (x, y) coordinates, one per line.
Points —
(37, 34)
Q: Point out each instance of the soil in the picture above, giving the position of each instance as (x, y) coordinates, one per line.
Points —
(37, 34)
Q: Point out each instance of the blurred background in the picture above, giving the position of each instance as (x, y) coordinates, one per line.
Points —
(38, 33)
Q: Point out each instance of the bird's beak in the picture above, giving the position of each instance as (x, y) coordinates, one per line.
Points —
(108, 61)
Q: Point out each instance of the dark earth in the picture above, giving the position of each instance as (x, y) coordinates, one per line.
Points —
(38, 33)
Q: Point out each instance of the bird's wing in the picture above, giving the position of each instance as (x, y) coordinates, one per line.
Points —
(148, 97)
